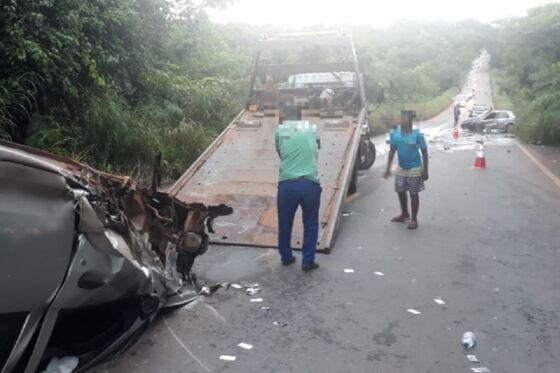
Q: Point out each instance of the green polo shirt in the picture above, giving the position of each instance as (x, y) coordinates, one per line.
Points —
(297, 144)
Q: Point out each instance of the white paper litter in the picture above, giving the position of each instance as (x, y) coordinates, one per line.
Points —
(279, 323)
(379, 273)
(439, 301)
(252, 291)
(245, 346)
(413, 311)
(236, 286)
(472, 358)
(481, 370)
(65, 364)
(227, 357)
(348, 270)
(256, 300)
(265, 308)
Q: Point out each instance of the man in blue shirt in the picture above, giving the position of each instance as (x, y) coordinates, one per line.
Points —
(412, 169)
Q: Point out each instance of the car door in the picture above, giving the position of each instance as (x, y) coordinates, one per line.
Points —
(501, 120)
(489, 120)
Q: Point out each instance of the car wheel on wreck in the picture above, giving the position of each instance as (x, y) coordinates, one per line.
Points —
(88, 259)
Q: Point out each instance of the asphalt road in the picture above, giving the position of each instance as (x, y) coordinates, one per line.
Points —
(488, 245)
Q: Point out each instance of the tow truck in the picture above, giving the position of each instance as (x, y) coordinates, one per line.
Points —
(311, 77)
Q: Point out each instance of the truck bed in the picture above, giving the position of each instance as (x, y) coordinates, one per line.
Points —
(240, 169)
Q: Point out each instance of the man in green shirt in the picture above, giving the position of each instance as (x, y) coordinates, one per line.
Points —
(297, 145)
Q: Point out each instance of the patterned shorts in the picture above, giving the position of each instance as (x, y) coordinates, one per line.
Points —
(411, 184)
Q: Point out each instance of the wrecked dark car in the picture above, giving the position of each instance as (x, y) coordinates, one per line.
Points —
(87, 259)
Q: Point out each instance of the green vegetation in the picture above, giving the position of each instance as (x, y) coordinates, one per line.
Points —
(112, 83)
(388, 114)
(528, 55)
(500, 99)
(418, 65)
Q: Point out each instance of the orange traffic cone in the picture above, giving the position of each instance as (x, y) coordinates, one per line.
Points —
(480, 161)
(455, 132)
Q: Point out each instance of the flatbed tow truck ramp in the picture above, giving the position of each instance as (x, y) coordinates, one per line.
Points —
(240, 168)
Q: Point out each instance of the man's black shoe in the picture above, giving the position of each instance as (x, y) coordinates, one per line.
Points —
(310, 267)
(289, 261)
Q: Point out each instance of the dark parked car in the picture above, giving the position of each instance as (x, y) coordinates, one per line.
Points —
(87, 259)
(502, 120)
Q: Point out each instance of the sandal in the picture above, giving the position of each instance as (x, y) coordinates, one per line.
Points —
(412, 225)
(400, 219)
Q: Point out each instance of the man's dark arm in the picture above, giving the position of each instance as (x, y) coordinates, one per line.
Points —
(425, 157)
(390, 161)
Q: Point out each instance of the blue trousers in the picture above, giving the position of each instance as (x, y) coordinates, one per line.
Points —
(291, 194)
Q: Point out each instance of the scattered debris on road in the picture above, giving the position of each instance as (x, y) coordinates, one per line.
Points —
(481, 370)
(280, 323)
(473, 358)
(468, 340)
(65, 364)
(245, 346)
(413, 311)
(439, 301)
(211, 289)
(379, 273)
(252, 291)
(256, 300)
(236, 286)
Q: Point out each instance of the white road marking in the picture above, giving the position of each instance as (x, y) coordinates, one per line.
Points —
(539, 164)
(216, 313)
(413, 311)
(263, 255)
(180, 342)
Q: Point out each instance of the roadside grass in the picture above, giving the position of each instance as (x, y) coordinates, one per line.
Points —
(388, 114)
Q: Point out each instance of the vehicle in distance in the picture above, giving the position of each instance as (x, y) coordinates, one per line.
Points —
(478, 109)
(502, 120)
(461, 100)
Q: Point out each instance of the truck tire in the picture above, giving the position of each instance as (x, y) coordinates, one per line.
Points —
(353, 187)
(368, 159)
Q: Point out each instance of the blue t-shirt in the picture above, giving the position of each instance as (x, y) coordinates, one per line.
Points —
(408, 147)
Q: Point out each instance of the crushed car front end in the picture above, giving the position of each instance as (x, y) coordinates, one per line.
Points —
(88, 259)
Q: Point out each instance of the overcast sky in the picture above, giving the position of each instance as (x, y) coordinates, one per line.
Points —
(297, 13)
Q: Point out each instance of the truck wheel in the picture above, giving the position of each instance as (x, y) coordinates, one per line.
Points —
(353, 187)
(368, 159)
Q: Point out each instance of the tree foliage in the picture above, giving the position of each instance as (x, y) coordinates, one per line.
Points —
(112, 82)
(528, 53)
(107, 81)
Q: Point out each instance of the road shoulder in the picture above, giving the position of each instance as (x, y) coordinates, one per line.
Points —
(546, 158)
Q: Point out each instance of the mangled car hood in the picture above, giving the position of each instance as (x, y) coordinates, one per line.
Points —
(74, 237)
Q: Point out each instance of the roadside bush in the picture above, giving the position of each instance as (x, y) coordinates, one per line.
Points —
(181, 146)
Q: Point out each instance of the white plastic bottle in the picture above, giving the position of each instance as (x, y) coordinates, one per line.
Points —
(468, 340)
